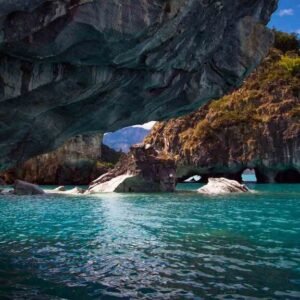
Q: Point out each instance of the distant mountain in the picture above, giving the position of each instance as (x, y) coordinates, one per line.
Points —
(124, 138)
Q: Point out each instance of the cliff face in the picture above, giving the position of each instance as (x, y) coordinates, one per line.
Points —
(257, 126)
(80, 160)
(74, 66)
(142, 170)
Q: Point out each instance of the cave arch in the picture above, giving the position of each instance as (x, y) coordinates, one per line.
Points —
(189, 175)
(288, 176)
(249, 176)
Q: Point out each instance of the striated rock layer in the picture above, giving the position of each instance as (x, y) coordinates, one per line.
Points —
(80, 160)
(142, 170)
(256, 127)
(74, 66)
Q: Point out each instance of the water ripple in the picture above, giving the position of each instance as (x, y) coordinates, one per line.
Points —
(180, 246)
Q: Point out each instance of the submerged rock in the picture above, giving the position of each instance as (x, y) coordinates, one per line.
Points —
(74, 66)
(76, 191)
(222, 186)
(142, 170)
(26, 188)
(117, 184)
(60, 189)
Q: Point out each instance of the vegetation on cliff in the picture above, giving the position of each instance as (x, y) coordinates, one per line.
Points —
(256, 126)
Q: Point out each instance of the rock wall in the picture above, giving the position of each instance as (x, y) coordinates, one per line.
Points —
(256, 127)
(75, 66)
(143, 169)
(80, 160)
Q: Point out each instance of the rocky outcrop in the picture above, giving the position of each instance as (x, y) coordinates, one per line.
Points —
(142, 170)
(26, 188)
(122, 183)
(255, 127)
(23, 188)
(75, 66)
(76, 191)
(77, 162)
(217, 186)
(60, 189)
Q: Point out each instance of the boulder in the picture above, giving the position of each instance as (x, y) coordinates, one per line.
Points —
(26, 188)
(60, 189)
(76, 191)
(223, 186)
(2, 182)
(113, 185)
(143, 169)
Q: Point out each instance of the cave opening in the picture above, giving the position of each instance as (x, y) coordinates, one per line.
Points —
(249, 175)
(288, 176)
(193, 179)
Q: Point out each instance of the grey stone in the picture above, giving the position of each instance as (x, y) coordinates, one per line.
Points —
(76, 191)
(26, 188)
(60, 189)
(142, 170)
(70, 67)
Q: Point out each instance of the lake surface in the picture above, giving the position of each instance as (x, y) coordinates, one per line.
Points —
(152, 246)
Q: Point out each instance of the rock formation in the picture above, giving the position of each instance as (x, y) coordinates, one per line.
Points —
(75, 66)
(216, 186)
(25, 188)
(60, 189)
(77, 162)
(256, 127)
(142, 170)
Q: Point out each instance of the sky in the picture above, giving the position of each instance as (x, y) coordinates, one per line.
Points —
(287, 17)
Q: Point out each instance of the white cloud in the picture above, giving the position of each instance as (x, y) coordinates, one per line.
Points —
(147, 126)
(286, 12)
(298, 31)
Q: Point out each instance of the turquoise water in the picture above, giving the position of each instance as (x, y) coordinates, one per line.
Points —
(160, 246)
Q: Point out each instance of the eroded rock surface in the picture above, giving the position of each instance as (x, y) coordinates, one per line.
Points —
(142, 170)
(216, 186)
(80, 160)
(255, 127)
(73, 66)
(121, 183)
(26, 188)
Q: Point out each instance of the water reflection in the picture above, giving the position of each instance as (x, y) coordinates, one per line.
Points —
(172, 246)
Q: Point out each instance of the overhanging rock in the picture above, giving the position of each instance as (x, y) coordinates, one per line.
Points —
(69, 67)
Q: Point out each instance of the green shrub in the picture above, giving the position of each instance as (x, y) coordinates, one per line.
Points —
(286, 41)
(103, 164)
(292, 64)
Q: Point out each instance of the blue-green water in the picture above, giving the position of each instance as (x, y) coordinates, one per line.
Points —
(160, 246)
